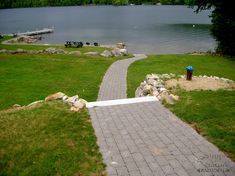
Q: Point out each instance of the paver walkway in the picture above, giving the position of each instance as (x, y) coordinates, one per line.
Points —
(147, 139)
(114, 82)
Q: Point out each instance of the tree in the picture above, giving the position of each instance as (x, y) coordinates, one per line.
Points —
(223, 23)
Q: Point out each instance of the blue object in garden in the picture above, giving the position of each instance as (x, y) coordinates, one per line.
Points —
(190, 68)
(189, 72)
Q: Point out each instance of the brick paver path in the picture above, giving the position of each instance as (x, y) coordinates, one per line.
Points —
(147, 139)
(114, 82)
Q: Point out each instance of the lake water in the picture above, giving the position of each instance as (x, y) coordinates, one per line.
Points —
(145, 29)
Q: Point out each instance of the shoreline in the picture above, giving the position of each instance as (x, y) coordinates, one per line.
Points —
(109, 46)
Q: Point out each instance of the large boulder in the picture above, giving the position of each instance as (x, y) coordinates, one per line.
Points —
(55, 96)
(106, 53)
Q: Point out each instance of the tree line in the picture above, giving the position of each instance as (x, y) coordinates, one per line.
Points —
(43, 3)
(223, 23)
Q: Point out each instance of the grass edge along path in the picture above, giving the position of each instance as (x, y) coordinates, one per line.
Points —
(212, 113)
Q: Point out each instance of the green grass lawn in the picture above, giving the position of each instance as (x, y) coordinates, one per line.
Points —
(26, 78)
(48, 140)
(212, 112)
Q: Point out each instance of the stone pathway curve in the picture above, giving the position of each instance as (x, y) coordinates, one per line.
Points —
(145, 139)
(114, 85)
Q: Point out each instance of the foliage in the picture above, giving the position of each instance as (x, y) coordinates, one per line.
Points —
(41, 3)
(211, 112)
(223, 20)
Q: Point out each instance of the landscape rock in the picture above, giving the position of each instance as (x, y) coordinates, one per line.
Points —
(60, 51)
(174, 97)
(83, 101)
(116, 52)
(138, 92)
(162, 89)
(146, 89)
(153, 85)
(121, 45)
(35, 103)
(152, 76)
(74, 109)
(78, 53)
(79, 104)
(106, 53)
(155, 93)
(167, 98)
(151, 81)
(124, 52)
(16, 106)
(3, 51)
(12, 51)
(91, 54)
(51, 50)
(72, 100)
(25, 39)
(31, 52)
(64, 98)
(56, 96)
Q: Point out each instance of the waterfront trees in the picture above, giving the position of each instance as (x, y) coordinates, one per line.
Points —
(223, 23)
(40, 3)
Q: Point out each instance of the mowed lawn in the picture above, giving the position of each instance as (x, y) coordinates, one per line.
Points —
(25, 78)
(211, 112)
(48, 139)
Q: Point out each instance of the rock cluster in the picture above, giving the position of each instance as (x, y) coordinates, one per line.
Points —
(119, 50)
(153, 85)
(75, 103)
(114, 53)
(25, 39)
(212, 77)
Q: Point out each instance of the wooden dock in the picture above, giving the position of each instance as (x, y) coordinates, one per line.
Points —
(36, 32)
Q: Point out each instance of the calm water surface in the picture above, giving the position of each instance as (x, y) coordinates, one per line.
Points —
(145, 29)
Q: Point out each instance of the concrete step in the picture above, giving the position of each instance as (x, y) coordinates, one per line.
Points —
(120, 101)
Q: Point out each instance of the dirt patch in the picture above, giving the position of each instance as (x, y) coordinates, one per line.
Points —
(198, 83)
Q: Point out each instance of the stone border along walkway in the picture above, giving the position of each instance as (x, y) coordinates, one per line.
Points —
(145, 138)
